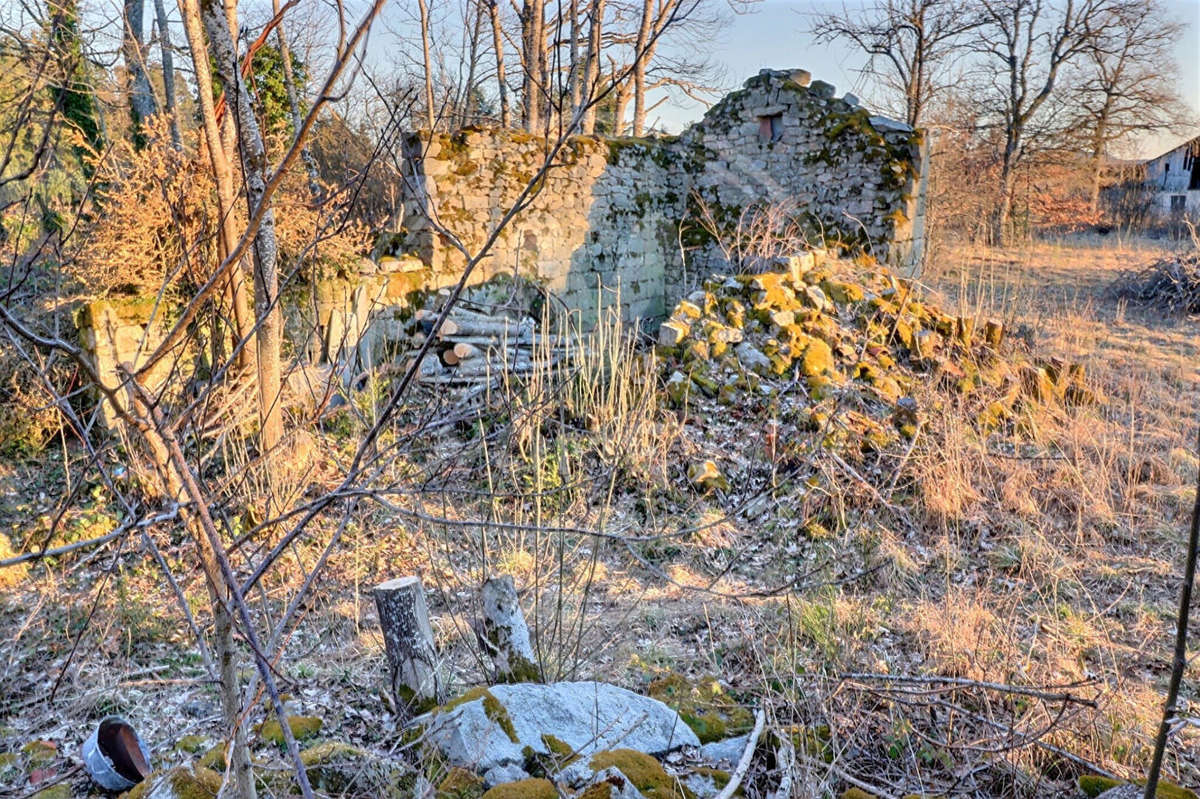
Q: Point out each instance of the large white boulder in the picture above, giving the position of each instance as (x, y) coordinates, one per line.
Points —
(495, 727)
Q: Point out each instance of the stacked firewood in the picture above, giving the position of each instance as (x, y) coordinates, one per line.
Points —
(474, 346)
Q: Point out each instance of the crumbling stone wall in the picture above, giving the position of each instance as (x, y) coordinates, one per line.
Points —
(124, 331)
(627, 212)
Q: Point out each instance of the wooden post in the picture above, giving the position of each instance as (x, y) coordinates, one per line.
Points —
(505, 634)
(417, 677)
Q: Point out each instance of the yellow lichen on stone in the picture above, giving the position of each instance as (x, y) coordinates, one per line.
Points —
(523, 789)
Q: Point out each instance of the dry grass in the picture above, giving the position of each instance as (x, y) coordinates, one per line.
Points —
(1046, 558)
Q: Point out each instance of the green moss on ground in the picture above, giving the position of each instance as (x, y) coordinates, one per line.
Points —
(703, 705)
(460, 783)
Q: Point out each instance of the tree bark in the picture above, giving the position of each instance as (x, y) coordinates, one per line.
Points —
(591, 67)
(424, 10)
(504, 633)
(293, 95)
(533, 61)
(498, 47)
(168, 71)
(268, 317)
(235, 290)
(639, 67)
(416, 672)
(141, 97)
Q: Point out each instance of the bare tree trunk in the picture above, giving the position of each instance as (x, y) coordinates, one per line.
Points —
(620, 102)
(573, 87)
(639, 67)
(498, 47)
(218, 594)
(1002, 228)
(533, 60)
(466, 114)
(168, 71)
(591, 66)
(235, 291)
(1097, 163)
(424, 9)
(141, 97)
(293, 95)
(268, 317)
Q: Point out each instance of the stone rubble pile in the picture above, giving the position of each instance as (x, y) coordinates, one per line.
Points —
(850, 346)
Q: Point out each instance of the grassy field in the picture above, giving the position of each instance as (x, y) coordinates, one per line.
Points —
(1047, 558)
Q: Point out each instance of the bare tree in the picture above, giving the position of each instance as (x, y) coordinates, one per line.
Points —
(493, 7)
(423, 7)
(1127, 83)
(591, 65)
(1025, 45)
(167, 54)
(141, 98)
(910, 44)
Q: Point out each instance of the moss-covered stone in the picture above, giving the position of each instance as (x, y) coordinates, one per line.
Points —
(646, 773)
(460, 783)
(536, 788)
(332, 766)
(40, 753)
(1093, 785)
(493, 708)
(302, 727)
(181, 782)
(191, 744)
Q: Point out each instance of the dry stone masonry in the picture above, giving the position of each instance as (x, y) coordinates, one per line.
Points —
(642, 221)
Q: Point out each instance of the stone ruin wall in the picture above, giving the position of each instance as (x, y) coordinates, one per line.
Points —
(624, 213)
(610, 219)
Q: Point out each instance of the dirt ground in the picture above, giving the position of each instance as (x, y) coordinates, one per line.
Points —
(1048, 560)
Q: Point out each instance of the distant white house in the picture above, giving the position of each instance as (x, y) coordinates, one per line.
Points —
(1175, 176)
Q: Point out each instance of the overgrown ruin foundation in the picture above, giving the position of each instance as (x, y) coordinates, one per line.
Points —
(650, 217)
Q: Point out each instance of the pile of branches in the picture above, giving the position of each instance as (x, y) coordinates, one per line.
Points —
(1171, 285)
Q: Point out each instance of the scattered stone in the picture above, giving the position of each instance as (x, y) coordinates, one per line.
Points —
(824, 90)
(302, 727)
(725, 752)
(181, 782)
(611, 783)
(525, 789)
(502, 725)
(706, 476)
(499, 775)
(646, 773)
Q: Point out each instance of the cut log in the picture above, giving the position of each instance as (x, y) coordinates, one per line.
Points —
(417, 677)
(505, 635)
(482, 367)
(463, 351)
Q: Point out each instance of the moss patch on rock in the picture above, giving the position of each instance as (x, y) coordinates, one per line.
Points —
(181, 782)
(646, 773)
(460, 783)
(302, 727)
(493, 708)
(535, 788)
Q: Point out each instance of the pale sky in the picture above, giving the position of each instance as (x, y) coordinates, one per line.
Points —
(775, 36)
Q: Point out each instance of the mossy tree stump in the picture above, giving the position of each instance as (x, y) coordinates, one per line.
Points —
(417, 677)
(504, 633)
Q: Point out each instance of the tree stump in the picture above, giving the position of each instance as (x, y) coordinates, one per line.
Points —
(417, 678)
(504, 634)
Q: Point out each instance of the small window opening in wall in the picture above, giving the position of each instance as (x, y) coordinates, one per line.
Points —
(1178, 203)
(770, 127)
